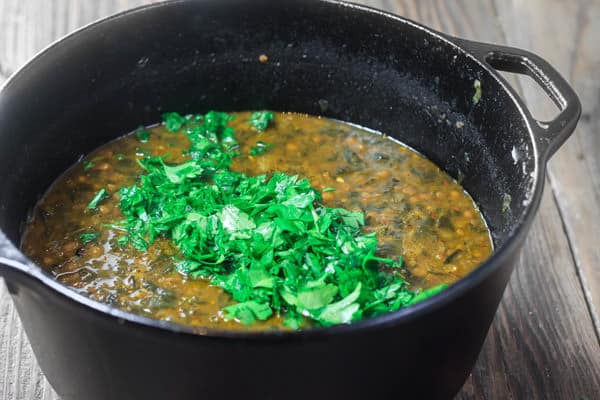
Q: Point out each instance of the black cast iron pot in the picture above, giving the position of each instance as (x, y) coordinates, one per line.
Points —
(326, 58)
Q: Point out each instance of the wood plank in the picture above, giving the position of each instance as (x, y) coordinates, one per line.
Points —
(542, 344)
(28, 26)
(574, 171)
(20, 377)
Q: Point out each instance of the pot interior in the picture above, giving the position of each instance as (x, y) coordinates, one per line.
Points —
(326, 59)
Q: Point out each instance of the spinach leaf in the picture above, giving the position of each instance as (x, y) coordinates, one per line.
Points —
(101, 195)
(88, 237)
(248, 312)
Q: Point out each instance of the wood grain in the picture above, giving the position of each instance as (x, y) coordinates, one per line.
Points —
(542, 344)
(20, 377)
(28, 26)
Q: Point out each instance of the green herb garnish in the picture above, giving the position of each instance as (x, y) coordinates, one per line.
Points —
(260, 120)
(101, 195)
(248, 312)
(427, 293)
(267, 240)
(88, 237)
(89, 164)
(260, 148)
(143, 134)
(173, 121)
(477, 95)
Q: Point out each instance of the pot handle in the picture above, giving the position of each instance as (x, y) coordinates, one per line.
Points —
(550, 135)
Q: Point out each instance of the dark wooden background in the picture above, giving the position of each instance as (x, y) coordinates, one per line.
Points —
(544, 342)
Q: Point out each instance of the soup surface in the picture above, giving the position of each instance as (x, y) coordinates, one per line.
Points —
(417, 211)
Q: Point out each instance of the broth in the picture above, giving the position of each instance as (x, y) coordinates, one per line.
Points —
(417, 211)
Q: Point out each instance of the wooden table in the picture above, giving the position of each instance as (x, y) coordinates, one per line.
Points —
(544, 343)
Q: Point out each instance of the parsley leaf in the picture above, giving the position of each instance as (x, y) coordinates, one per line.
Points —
(342, 312)
(477, 94)
(173, 121)
(427, 293)
(260, 120)
(316, 298)
(236, 222)
(260, 148)
(88, 237)
(178, 173)
(143, 134)
(101, 195)
(89, 164)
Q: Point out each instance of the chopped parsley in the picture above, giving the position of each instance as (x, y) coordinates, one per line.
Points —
(143, 134)
(88, 237)
(267, 240)
(260, 120)
(477, 95)
(101, 195)
(173, 121)
(260, 148)
(89, 164)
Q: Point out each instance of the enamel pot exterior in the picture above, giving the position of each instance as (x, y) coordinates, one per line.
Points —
(324, 58)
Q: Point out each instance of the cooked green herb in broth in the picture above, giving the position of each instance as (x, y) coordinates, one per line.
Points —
(256, 221)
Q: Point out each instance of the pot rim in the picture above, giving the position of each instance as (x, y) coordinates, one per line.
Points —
(501, 254)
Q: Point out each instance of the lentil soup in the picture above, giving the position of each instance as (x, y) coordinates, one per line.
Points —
(417, 212)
